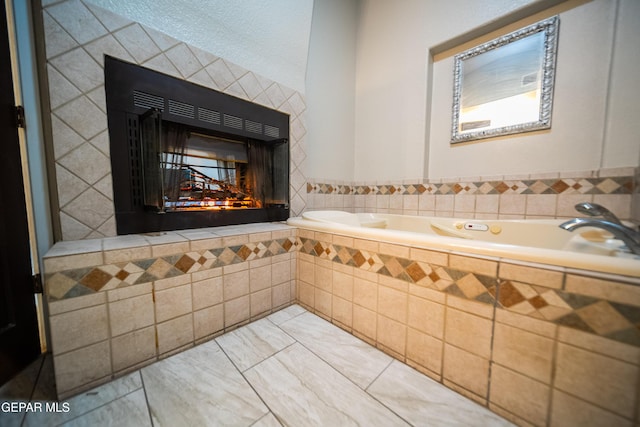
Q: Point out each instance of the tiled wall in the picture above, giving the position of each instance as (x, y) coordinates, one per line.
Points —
(77, 36)
(538, 344)
(508, 197)
(116, 304)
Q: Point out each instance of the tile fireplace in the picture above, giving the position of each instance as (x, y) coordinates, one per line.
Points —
(185, 156)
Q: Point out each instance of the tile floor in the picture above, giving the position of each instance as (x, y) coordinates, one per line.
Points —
(291, 368)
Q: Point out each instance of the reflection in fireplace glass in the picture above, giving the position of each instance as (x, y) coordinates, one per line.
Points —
(187, 170)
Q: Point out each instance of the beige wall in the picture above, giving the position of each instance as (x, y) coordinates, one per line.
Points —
(400, 136)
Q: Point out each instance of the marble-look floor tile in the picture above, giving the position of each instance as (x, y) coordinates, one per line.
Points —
(268, 420)
(253, 343)
(86, 402)
(200, 387)
(285, 314)
(19, 389)
(301, 389)
(130, 410)
(424, 402)
(352, 357)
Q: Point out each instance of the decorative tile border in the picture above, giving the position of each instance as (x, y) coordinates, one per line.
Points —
(605, 185)
(84, 281)
(613, 320)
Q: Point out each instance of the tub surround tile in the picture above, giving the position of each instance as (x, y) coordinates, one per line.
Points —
(543, 195)
(78, 370)
(466, 373)
(76, 276)
(589, 376)
(567, 410)
(520, 395)
(79, 328)
(317, 393)
(500, 327)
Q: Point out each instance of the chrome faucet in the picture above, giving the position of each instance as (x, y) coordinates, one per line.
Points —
(611, 223)
(593, 209)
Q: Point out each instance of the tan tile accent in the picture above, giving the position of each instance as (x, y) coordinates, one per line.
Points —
(602, 288)
(236, 311)
(129, 314)
(55, 264)
(173, 302)
(426, 316)
(600, 345)
(175, 333)
(323, 302)
(343, 285)
(566, 410)
(133, 348)
(306, 294)
(531, 275)
(235, 284)
(603, 318)
(342, 311)
(535, 326)
(481, 266)
(281, 272)
(126, 255)
(260, 302)
(520, 395)
(391, 334)
(65, 305)
(364, 322)
(365, 293)
(467, 370)
(392, 303)
(306, 271)
(323, 277)
(81, 367)
(598, 379)
(260, 277)
(523, 352)
(468, 332)
(79, 328)
(472, 307)
(207, 292)
(208, 321)
(424, 350)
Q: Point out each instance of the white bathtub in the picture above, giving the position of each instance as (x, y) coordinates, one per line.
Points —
(540, 241)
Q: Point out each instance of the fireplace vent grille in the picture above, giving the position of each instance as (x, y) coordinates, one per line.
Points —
(134, 156)
(209, 116)
(232, 121)
(147, 101)
(272, 131)
(253, 127)
(181, 109)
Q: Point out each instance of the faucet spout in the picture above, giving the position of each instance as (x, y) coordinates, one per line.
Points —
(630, 237)
(593, 209)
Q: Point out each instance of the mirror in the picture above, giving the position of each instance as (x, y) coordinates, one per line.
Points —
(505, 86)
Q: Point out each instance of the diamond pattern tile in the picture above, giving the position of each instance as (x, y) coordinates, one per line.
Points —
(78, 35)
(83, 281)
(617, 185)
(613, 320)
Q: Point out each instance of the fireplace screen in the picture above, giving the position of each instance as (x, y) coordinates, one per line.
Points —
(201, 157)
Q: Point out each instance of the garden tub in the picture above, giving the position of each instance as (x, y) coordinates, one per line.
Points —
(531, 240)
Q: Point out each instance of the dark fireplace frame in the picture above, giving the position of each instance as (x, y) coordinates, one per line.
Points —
(131, 91)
